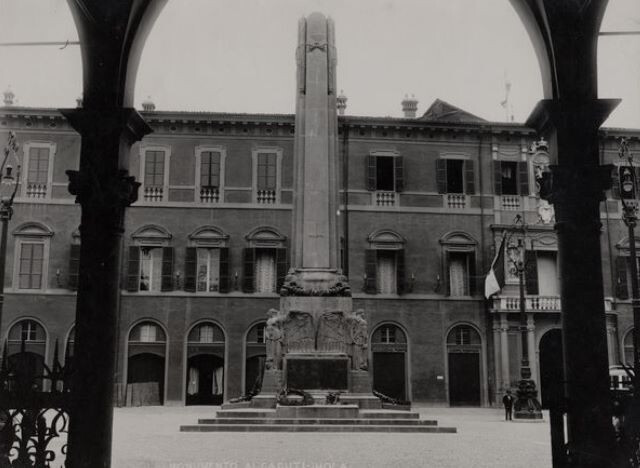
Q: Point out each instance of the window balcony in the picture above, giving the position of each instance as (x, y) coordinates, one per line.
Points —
(36, 190)
(510, 202)
(154, 193)
(266, 197)
(456, 201)
(209, 195)
(532, 304)
(385, 198)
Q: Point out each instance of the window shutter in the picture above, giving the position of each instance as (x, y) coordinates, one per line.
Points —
(622, 290)
(248, 277)
(531, 272)
(133, 274)
(190, 269)
(523, 178)
(224, 270)
(441, 175)
(74, 267)
(399, 173)
(370, 269)
(166, 281)
(615, 183)
(471, 271)
(282, 267)
(497, 177)
(636, 171)
(400, 272)
(469, 176)
(447, 273)
(371, 173)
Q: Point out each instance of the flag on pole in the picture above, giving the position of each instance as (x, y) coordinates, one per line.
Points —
(494, 282)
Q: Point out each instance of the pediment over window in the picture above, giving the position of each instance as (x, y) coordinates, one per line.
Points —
(265, 236)
(210, 236)
(457, 238)
(33, 229)
(151, 234)
(386, 239)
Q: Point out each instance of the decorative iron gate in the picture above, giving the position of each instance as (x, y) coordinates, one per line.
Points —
(34, 411)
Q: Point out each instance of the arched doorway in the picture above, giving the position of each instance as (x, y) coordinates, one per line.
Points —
(551, 367)
(255, 357)
(464, 347)
(205, 365)
(26, 350)
(389, 356)
(146, 364)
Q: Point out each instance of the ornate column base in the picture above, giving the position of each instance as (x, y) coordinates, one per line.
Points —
(527, 406)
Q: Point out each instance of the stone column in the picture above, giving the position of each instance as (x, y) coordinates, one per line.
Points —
(531, 343)
(612, 340)
(103, 190)
(497, 344)
(578, 183)
(504, 351)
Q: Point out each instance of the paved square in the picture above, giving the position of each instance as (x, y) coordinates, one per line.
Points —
(149, 437)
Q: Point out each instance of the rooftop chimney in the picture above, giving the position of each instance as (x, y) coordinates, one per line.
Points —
(341, 102)
(148, 105)
(409, 106)
(8, 97)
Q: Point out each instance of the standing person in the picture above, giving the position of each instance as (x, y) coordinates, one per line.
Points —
(507, 401)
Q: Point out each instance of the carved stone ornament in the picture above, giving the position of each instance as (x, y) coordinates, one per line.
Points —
(273, 335)
(332, 336)
(299, 332)
(292, 287)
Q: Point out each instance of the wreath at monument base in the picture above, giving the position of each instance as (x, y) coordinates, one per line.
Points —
(393, 401)
(284, 400)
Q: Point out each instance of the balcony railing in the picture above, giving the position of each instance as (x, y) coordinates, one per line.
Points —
(456, 200)
(36, 190)
(532, 304)
(385, 198)
(209, 195)
(266, 197)
(511, 202)
(154, 193)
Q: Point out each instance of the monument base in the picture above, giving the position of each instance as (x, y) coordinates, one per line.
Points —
(317, 371)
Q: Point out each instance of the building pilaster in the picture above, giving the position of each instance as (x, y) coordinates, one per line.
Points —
(504, 351)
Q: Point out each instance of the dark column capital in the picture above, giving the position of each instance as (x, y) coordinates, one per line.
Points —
(583, 115)
(105, 122)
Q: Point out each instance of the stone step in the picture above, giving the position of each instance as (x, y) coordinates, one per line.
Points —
(315, 428)
(388, 414)
(248, 413)
(321, 421)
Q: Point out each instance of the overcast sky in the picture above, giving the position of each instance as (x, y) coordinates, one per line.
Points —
(238, 56)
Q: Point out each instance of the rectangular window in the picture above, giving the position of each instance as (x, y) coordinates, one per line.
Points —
(265, 270)
(208, 273)
(388, 335)
(154, 169)
(386, 272)
(509, 177)
(31, 264)
(547, 274)
(385, 176)
(210, 169)
(148, 333)
(458, 274)
(38, 166)
(267, 171)
(463, 336)
(455, 176)
(150, 268)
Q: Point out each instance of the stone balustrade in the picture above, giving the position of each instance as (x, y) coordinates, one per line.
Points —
(510, 202)
(36, 190)
(154, 193)
(266, 197)
(535, 304)
(456, 200)
(209, 195)
(385, 198)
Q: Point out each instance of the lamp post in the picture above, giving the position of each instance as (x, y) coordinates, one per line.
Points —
(627, 181)
(526, 405)
(8, 188)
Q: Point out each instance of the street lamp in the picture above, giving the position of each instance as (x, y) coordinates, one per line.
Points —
(627, 181)
(526, 405)
(9, 179)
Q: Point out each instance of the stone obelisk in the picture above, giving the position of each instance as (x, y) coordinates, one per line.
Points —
(315, 342)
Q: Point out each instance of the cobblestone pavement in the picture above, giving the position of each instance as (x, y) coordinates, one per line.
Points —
(149, 438)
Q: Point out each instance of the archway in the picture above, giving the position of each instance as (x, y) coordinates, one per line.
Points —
(26, 351)
(389, 357)
(146, 364)
(255, 356)
(551, 367)
(464, 347)
(205, 365)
